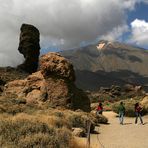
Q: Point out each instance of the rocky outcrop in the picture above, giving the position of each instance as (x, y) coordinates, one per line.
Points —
(53, 85)
(29, 46)
(54, 64)
(8, 74)
(115, 93)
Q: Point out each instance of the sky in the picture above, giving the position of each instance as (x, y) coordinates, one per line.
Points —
(65, 24)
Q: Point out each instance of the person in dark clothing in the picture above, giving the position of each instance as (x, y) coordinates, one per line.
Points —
(121, 111)
(99, 109)
(138, 110)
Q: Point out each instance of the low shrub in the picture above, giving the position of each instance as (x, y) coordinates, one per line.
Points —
(101, 119)
(144, 103)
(77, 121)
(14, 106)
(27, 132)
(81, 119)
(36, 140)
(60, 139)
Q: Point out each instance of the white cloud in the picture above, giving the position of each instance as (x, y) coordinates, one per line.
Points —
(116, 33)
(139, 30)
(62, 23)
(129, 4)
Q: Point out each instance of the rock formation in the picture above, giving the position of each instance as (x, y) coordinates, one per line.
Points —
(29, 47)
(55, 64)
(115, 93)
(53, 84)
(8, 74)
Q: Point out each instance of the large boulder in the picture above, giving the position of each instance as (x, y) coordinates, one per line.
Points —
(53, 84)
(32, 88)
(53, 64)
(29, 46)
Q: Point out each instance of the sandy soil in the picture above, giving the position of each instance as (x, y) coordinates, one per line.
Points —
(115, 135)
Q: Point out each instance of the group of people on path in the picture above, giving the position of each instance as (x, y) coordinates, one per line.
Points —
(138, 110)
(121, 111)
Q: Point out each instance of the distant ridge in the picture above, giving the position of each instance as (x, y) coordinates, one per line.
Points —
(109, 63)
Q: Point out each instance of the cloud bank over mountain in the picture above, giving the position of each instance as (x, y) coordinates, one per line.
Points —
(62, 23)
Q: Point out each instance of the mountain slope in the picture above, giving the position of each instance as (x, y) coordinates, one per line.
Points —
(108, 63)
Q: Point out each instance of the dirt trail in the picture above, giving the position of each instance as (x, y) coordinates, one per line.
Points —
(115, 135)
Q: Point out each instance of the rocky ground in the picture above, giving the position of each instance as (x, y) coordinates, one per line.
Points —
(116, 93)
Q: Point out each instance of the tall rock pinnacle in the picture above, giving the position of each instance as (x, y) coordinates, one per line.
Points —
(29, 46)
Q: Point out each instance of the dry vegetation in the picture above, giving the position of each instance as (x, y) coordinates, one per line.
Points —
(27, 125)
(38, 130)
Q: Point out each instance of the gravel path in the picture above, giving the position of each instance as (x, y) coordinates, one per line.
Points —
(115, 135)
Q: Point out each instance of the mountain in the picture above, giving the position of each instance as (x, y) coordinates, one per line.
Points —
(109, 63)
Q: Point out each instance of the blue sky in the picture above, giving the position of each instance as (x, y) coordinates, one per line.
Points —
(65, 24)
(140, 12)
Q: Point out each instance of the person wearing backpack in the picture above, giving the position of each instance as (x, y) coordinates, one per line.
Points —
(121, 111)
(138, 110)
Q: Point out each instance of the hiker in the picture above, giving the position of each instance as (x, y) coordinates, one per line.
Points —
(121, 111)
(99, 109)
(138, 110)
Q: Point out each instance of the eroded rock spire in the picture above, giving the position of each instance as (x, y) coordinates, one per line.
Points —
(29, 46)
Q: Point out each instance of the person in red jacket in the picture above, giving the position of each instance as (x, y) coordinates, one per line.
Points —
(99, 109)
(138, 110)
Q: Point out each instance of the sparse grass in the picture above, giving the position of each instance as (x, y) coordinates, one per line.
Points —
(50, 128)
(13, 106)
(25, 131)
(25, 125)
(144, 103)
(72, 119)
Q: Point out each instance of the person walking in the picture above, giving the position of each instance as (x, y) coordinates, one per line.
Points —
(138, 110)
(99, 109)
(121, 111)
